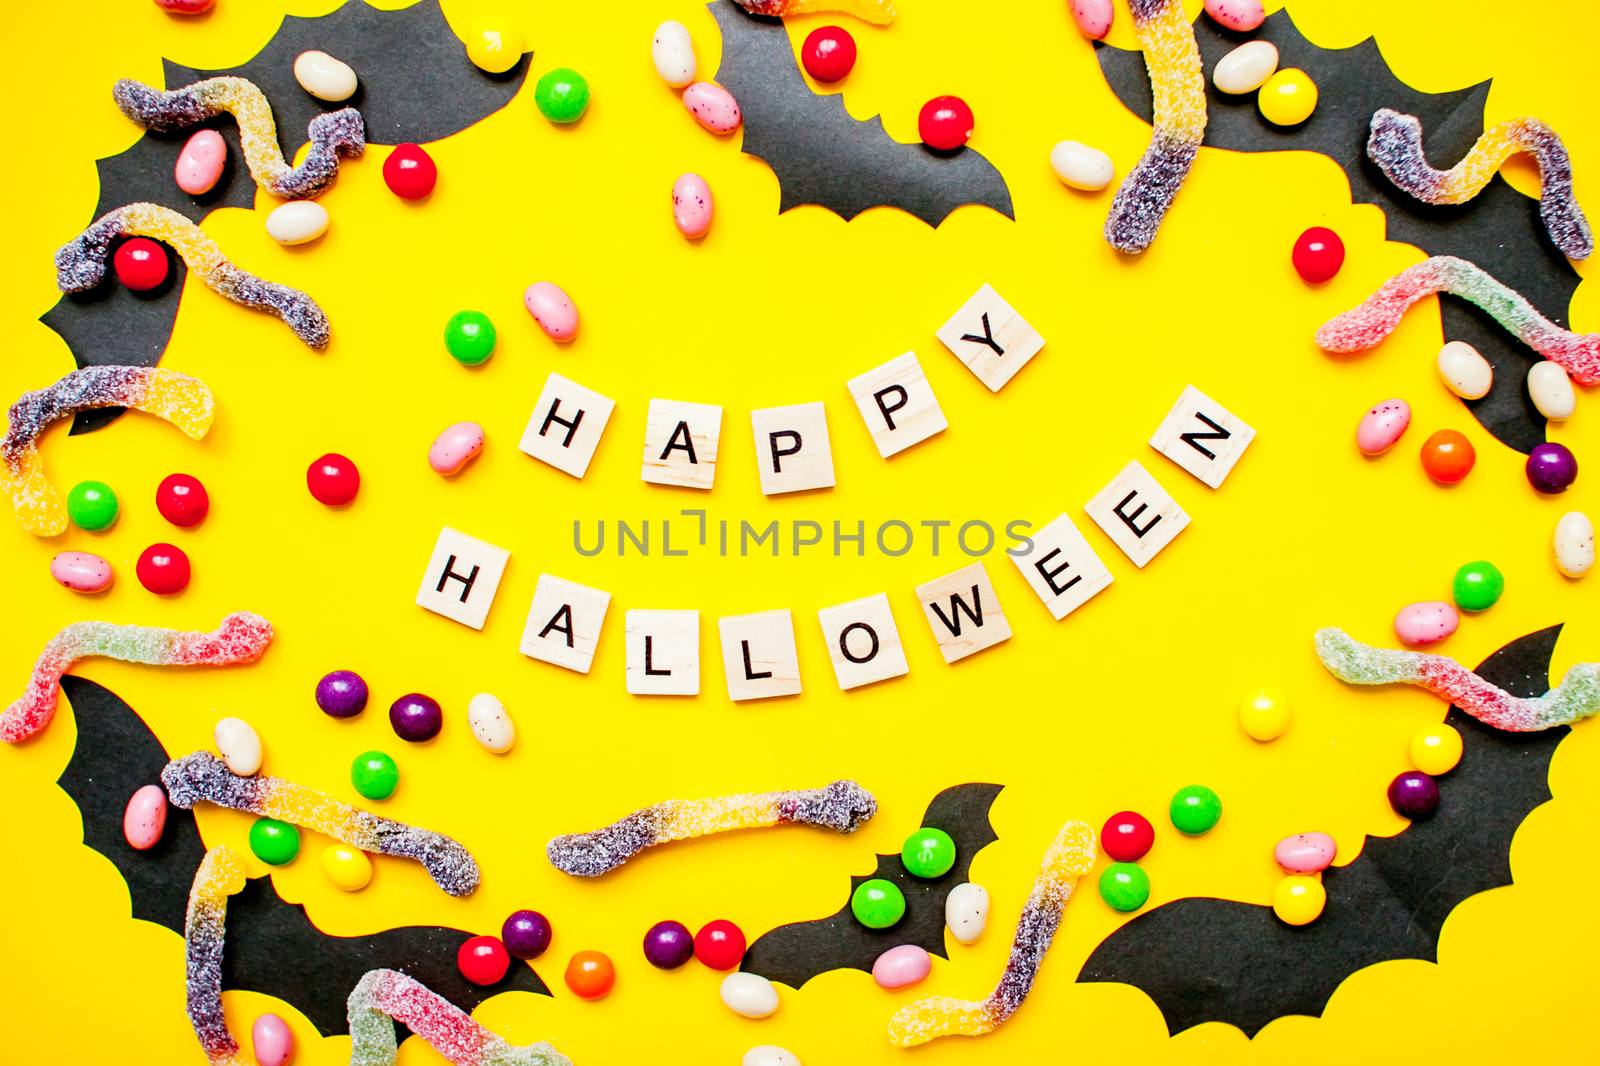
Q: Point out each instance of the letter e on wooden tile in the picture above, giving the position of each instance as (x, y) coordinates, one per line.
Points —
(1061, 567)
(1137, 514)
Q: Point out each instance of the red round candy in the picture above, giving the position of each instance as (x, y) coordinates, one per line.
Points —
(719, 944)
(163, 569)
(483, 960)
(829, 52)
(945, 123)
(409, 172)
(1127, 836)
(333, 480)
(1447, 456)
(182, 500)
(140, 263)
(185, 7)
(1318, 255)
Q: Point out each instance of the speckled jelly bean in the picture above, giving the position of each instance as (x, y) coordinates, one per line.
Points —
(713, 107)
(325, 77)
(1382, 427)
(1465, 371)
(145, 818)
(692, 206)
(1550, 389)
(1574, 544)
(297, 222)
(553, 309)
(200, 163)
(1093, 17)
(1241, 16)
(455, 447)
(1428, 622)
(749, 995)
(902, 966)
(491, 725)
(672, 51)
(966, 912)
(239, 745)
(272, 1041)
(1082, 167)
(1306, 853)
(1246, 68)
(769, 1055)
(1551, 468)
(81, 571)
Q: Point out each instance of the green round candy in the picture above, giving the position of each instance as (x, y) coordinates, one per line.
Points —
(1124, 886)
(562, 95)
(274, 842)
(928, 852)
(92, 505)
(877, 904)
(1195, 809)
(469, 337)
(1478, 586)
(374, 775)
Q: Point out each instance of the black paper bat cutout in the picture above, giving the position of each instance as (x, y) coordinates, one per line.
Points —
(1205, 960)
(272, 946)
(416, 84)
(795, 953)
(820, 154)
(1500, 229)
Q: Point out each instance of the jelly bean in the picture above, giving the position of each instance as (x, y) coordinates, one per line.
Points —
(199, 166)
(562, 95)
(526, 934)
(92, 505)
(416, 717)
(1550, 389)
(182, 500)
(469, 337)
(668, 945)
(966, 912)
(553, 309)
(1382, 427)
(1574, 544)
(483, 960)
(491, 725)
(375, 775)
(713, 107)
(1195, 809)
(1306, 853)
(455, 447)
(1465, 372)
(719, 944)
(1288, 98)
(877, 903)
(902, 966)
(1435, 749)
(1241, 16)
(410, 172)
(1448, 456)
(342, 694)
(145, 818)
(1265, 714)
(749, 995)
(494, 48)
(272, 1041)
(769, 1055)
(590, 975)
(1477, 586)
(140, 264)
(1551, 468)
(81, 571)
(1414, 795)
(928, 853)
(1127, 836)
(348, 868)
(333, 480)
(297, 222)
(828, 53)
(1428, 622)
(325, 77)
(239, 745)
(163, 569)
(692, 206)
(1299, 899)
(1081, 167)
(1124, 886)
(945, 123)
(186, 7)
(1093, 17)
(672, 51)
(1246, 68)
(1317, 255)
(274, 842)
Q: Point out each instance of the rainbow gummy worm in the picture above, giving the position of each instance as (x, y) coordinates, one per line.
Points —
(241, 638)
(879, 12)
(841, 806)
(1395, 144)
(1178, 84)
(81, 265)
(1355, 663)
(1364, 326)
(181, 400)
(332, 133)
(1069, 858)
(202, 777)
(384, 994)
(221, 875)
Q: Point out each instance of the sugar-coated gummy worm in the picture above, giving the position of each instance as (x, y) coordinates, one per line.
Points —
(81, 265)
(879, 12)
(332, 133)
(382, 995)
(1070, 857)
(204, 778)
(167, 394)
(1363, 327)
(1355, 663)
(1178, 83)
(241, 638)
(221, 875)
(841, 806)
(1395, 144)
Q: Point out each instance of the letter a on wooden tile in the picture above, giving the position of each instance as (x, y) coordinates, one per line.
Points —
(963, 612)
(1137, 514)
(758, 655)
(1203, 437)
(680, 444)
(564, 623)
(462, 576)
(863, 641)
(566, 424)
(1062, 568)
(897, 402)
(990, 338)
(663, 652)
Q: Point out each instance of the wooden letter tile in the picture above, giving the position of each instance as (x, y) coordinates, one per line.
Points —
(1203, 437)
(758, 655)
(462, 576)
(1062, 568)
(1137, 514)
(663, 652)
(963, 612)
(680, 444)
(566, 424)
(564, 623)
(990, 338)
(863, 641)
(792, 449)
(898, 403)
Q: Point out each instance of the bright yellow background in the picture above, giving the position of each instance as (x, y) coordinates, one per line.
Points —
(1115, 707)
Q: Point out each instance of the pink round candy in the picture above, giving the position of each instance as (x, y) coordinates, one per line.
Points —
(1426, 623)
(1240, 15)
(1382, 426)
(81, 571)
(553, 309)
(712, 106)
(200, 164)
(457, 446)
(146, 818)
(272, 1040)
(1306, 853)
(691, 205)
(901, 966)
(1093, 17)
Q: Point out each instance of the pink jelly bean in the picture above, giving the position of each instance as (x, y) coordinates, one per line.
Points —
(1306, 853)
(1382, 426)
(1426, 623)
(200, 164)
(1240, 15)
(457, 446)
(553, 309)
(81, 571)
(272, 1040)
(146, 818)
(901, 966)
(1093, 17)
(712, 106)
(692, 206)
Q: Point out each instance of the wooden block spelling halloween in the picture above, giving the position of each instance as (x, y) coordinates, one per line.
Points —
(462, 577)
(898, 404)
(1061, 567)
(1137, 514)
(564, 623)
(566, 425)
(663, 652)
(863, 641)
(1202, 436)
(680, 444)
(963, 612)
(792, 448)
(990, 338)
(759, 656)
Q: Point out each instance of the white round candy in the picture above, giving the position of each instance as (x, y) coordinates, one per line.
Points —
(297, 222)
(239, 745)
(1551, 390)
(966, 911)
(1574, 544)
(1246, 68)
(325, 77)
(1465, 372)
(490, 723)
(673, 53)
(769, 1055)
(1080, 166)
(749, 995)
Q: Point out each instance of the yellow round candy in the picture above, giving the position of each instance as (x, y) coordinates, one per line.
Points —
(1298, 899)
(348, 868)
(1288, 97)
(494, 47)
(1436, 749)
(1265, 714)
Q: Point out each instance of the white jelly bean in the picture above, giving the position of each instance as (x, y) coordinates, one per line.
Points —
(297, 222)
(1081, 166)
(672, 50)
(200, 164)
(490, 723)
(712, 106)
(81, 571)
(749, 995)
(1093, 17)
(1246, 68)
(146, 818)
(454, 448)
(239, 746)
(1382, 426)
(1574, 544)
(1240, 15)
(1551, 390)
(692, 206)
(769, 1055)
(553, 309)
(1465, 372)
(325, 77)
(966, 911)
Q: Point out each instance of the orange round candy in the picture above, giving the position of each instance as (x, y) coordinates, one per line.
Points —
(590, 974)
(1447, 456)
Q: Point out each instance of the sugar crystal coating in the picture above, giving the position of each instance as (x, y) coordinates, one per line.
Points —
(221, 874)
(880, 12)
(382, 995)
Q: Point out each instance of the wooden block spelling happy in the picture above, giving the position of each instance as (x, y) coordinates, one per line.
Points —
(963, 612)
(792, 449)
(990, 338)
(898, 404)
(1062, 568)
(663, 652)
(863, 641)
(680, 444)
(1137, 514)
(564, 623)
(759, 656)
(566, 424)
(1202, 436)
(462, 576)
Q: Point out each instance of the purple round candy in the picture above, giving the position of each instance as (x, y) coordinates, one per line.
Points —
(416, 717)
(527, 933)
(1552, 467)
(668, 945)
(1413, 795)
(342, 694)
